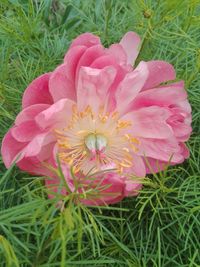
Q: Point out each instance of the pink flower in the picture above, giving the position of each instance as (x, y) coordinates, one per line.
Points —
(99, 114)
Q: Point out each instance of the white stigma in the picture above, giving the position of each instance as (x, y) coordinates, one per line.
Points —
(95, 143)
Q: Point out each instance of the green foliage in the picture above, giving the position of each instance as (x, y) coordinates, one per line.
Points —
(161, 227)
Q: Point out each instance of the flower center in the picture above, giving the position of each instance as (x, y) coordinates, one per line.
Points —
(96, 142)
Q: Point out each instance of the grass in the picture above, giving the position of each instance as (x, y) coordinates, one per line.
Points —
(159, 228)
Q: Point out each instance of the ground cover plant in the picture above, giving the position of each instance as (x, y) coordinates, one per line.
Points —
(158, 228)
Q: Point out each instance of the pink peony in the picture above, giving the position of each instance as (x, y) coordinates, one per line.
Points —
(98, 114)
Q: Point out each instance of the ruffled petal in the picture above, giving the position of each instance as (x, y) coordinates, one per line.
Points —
(157, 165)
(56, 115)
(109, 187)
(154, 165)
(159, 72)
(62, 82)
(109, 60)
(149, 122)
(29, 113)
(93, 86)
(132, 188)
(73, 55)
(38, 92)
(87, 39)
(90, 55)
(61, 85)
(10, 149)
(39, 164)
(164, 150)
(26, 131)
(138, 168)
(35, 147)
(184, 150)
(131, 43)
(130, 86)
(161, 96)
(117, 51)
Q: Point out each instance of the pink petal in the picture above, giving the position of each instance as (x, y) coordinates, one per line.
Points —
(90, 55)
(181, 130)
(164, 150)
(46, 152)
(132, 188)
(138, 169)
(103, 61)
(155, 165)
(25, 132)
(159, 72)
(185, 106)
(66, 75)
(161, 96)
(71, 60)
(61, 85)
(87, 39)
(149, 122)
(34, 165)
(112, 194)
(10, 148)
(108, 60)
(117, 51)
(29, 113)
(130, 43)
(93, 86)
(136, 172)
(35, 147)
(73, 55)
(56, 115)
(130, 86)
(184, 150)
(37, 92)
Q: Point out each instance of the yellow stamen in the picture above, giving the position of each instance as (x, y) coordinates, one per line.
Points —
(111, 146)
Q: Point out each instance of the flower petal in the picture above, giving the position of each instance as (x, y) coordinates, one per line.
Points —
(38, 92)
(164, 150)
(87, 39)
(90, 55)
(184, 150)
(138, 169)
(56, 115)
(109, 60)
(66, 75)
(33, 164)
(93, 86)
(26, 131)
(34, 147)
(130, 43)
(61, 85)
(155, 165)
(73, 55)
(161, 96)
(149, 122)
(159, 72)
(130, 86)
(10, 148)
(113, 192)
(131, 188)
(29, 113)
(117, 51)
